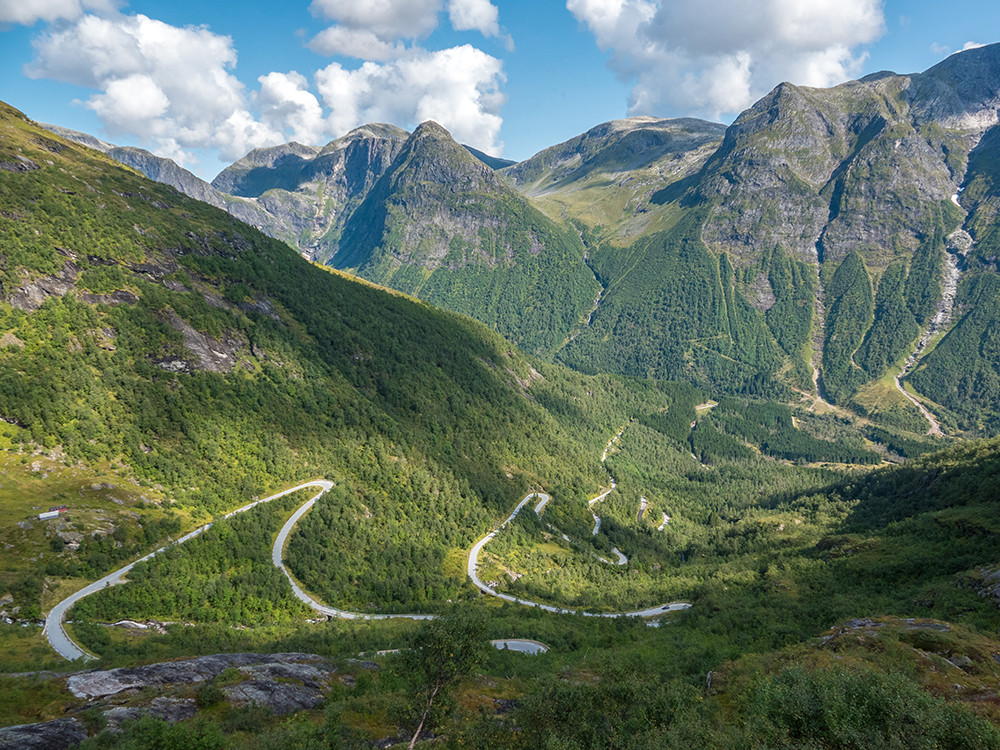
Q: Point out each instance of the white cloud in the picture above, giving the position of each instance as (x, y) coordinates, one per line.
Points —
(386, 19)
(372, 30)
(715, 57)
(28, 12)
(359, 43)
(287, 106)
(174, 91)
(457, 87)
(972, 45)
(476, 15)
(168, 86)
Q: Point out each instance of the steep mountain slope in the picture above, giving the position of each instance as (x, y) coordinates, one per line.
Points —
(613, 176)
(836, 242)
(842, 214)
(170, 173)
(155, 335)
(309, 192)
(443, 226)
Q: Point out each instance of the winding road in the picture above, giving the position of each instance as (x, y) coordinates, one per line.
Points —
(55, 630)
(473, 570)
(63, 645)
(277, 557)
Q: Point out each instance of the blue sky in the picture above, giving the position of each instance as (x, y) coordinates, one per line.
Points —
(205, 82)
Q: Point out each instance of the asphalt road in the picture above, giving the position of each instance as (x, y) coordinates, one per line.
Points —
(59, 639)
(472, 568)
(56, 632)
(277, 557)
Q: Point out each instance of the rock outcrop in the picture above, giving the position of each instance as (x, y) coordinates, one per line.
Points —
(103, 683)
(48, 735)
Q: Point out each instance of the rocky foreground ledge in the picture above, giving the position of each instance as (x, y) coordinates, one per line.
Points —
(284, 683)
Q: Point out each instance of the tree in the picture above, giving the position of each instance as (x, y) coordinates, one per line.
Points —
(440, 652)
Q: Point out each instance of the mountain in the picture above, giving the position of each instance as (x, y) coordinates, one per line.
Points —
(308, 191)
(170, 173)
(443, 226)
(612, 177)
(155, 337)
(162, 362)
(831, 244)
(837, 221)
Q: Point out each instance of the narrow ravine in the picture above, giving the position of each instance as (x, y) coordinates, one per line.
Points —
(939, 323)
(622, 559)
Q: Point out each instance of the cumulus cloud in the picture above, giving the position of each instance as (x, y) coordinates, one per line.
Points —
(474, 15)
(457, 87)
(716, 56)
(28, 12)
(387, 19)
(169, 86)
(173, 89)
(372, 30)
(287, 106)
(360, 43)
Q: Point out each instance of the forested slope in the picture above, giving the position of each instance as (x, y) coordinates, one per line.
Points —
(153, 333)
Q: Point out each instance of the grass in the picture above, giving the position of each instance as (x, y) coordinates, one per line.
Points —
(25, 649)
(32, 699)
(924, 650)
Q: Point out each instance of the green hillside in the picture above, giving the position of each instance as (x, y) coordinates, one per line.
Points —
(441, 225)
(155, 337)
(161, 362)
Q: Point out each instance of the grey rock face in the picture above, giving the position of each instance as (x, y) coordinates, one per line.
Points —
(307, 192)
(170, 710)
(210, 354)
(308, 674)
(617, 146)
(49, 735)
(862, 166)
(76, 136)
(109, 682)
(30, 296)
(281, 697)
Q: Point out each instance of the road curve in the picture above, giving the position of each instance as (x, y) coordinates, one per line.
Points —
(277, 557)
(55, 631)
(472, 569)
(63, 645)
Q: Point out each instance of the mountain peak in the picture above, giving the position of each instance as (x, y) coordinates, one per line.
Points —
(962, 92)
(429, 128)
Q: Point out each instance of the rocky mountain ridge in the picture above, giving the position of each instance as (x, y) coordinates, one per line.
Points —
(841, 222)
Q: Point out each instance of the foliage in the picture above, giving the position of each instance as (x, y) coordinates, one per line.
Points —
(923, 283)
(895, 326)
(441, 227)
(961, 372)
(790, 317)
(836, 708)
(670, 310)
(850, 308)
(152, 733)
(438, 653)
(222, 575)
(770, 426)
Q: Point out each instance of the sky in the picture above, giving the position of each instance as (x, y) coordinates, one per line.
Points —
(204, 83)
